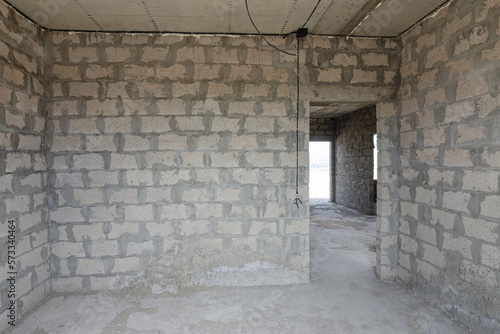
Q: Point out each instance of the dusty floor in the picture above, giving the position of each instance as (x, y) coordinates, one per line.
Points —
(343, 297)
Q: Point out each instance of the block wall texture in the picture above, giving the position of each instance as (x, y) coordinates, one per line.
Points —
(449, 174)
(354, 159)
(173, 157)
(321, 129)
(23, 196)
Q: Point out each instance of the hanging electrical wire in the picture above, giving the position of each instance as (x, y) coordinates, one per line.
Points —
(300, 33)
(262, 36)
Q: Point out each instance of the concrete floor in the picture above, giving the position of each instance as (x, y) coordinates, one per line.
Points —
(343, 297)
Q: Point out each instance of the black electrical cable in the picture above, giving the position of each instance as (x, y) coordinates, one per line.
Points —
(251, 20)
(307, 21)
(297, 129)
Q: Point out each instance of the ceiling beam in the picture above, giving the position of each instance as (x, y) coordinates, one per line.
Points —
(360, 16)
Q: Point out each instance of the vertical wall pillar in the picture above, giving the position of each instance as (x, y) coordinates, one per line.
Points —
(387, 191)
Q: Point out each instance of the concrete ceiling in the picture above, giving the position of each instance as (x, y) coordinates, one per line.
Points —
(332, 17)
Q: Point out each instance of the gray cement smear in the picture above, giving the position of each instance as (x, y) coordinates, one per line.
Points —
(343, 297)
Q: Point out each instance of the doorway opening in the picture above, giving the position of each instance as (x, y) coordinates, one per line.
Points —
(320, 170)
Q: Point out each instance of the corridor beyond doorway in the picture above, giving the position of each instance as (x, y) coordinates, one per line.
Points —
(319, 169)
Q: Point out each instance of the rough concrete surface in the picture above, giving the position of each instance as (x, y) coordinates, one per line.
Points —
(343, 297)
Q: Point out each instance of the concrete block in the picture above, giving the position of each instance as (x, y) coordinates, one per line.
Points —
(241, 108)
(262, 90)
(94, 72)
(123, 161)
(86, 54)
(195, 54)
(209, 210)
(426, 234)
(66, 215)
(240, 72)
(244, 143)
(428, 271)
(445, 178)
(427, 80)
(174, 211)
(457, 158)
(471, 87)
(216, 90)
(229, 227)
(490, 256)
(156, 124)
(224, 159)
(259, 125)
(102, 248)
(257, 159)
(102, 178)
(492, 159)
(193, 227)
(67, 249)
(433, 255)
(121, 54)
(172, 177)
(434, 137)
(408, 245)
(13, 76)
(161, 159)
(427, 155)
(457, 244)
(88, 161)
(89, 267)
(481, 181)
(481, 229)
(128, 195)
(119, 230)
(174, 72)
(136, 143)
(459, 111)
(160, 229)
(192, 159)
(228, 195)
(139, 213)
(67, 284)
(344, 60)
(330, 75)
(65, 143)
(263, 227)
(99, 143)
(490, 206)
(375, 59)
(258, 57)
(103, 214)
(426, 196)
(88, 196)
(105, 108)
(128, 264)
(436, 96)
(457, 201)
(488, 104)
(69, 108)
(297, 227)
(363, 76)
(118, 125)
(466, 133)
(84, 126)
(274, 74)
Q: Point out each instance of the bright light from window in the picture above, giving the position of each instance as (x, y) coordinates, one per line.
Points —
(319, 170)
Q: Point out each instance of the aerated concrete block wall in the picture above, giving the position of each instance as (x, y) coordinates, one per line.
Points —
(354, 160)
(173, 158)
(450, 162)
(23, 199)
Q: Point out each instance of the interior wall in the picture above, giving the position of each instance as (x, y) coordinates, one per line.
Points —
(23, 199)
(172, 159)
(450, 161)
(354, 160)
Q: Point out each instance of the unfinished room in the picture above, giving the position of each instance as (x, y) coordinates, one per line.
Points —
(250, 166)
